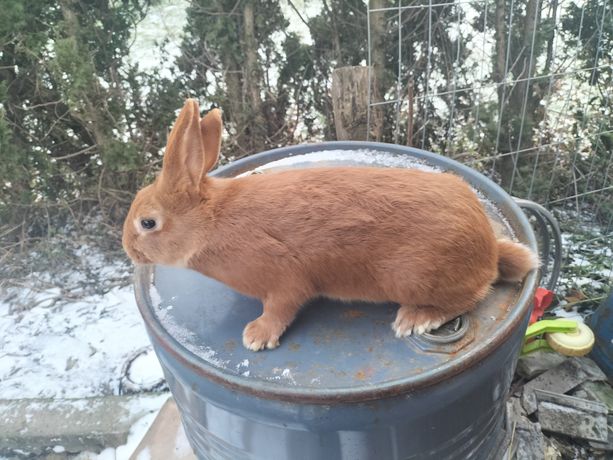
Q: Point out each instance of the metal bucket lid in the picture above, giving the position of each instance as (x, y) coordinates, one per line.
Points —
(334, 351)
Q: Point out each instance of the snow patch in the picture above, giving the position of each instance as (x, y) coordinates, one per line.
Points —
(72, 350)
(358, 157)
(186, 337)
(146, 370)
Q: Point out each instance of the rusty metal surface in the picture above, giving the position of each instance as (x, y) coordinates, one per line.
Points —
(334, 352)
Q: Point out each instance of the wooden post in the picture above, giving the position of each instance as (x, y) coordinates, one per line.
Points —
(410, 115)
(350, 104)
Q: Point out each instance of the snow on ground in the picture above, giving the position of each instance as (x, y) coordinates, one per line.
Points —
(77, 348)
(587, 266)
(71, 350)
(145, 371)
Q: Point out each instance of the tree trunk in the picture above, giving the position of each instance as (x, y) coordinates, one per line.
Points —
(500, 37)
(552, 16)
(252, 79)
(336, 40)
(377, 50)
(525, 60)
(89, 112)
(235, 103)
(505, 164)
(410, 120)
(517, 104)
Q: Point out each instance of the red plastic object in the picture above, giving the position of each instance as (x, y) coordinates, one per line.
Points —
(542, 299)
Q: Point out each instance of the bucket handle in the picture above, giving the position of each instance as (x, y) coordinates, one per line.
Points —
(547, 232)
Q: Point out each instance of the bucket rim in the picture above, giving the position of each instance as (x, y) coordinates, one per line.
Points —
(517, 314)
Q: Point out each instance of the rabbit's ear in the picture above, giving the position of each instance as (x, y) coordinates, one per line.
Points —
(211, 127)
(184, 156)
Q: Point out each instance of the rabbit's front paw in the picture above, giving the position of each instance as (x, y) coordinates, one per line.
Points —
(261, 334)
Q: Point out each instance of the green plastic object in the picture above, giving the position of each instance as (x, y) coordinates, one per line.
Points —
(533, 345)
(543, 327)
(550, 325)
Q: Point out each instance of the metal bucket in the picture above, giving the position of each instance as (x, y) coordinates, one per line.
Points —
(340, 386)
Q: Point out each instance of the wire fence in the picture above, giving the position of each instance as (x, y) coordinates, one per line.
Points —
(525, 100)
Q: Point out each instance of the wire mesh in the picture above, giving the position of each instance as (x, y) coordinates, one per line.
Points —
(519, 89)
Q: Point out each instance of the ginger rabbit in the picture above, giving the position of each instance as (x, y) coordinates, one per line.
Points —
(420, 239)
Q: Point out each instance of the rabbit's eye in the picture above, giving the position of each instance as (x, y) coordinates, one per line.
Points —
(147, 224)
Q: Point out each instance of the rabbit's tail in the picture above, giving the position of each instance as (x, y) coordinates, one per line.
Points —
(515, 261)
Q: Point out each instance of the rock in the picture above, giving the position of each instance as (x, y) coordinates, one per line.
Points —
(561, 379)
(570, 416)
(551, 452)
(515, 411)
(528, 440)
(599, 391)
(534, 364)
(590, 368)
(564, 448)
(605, 446)
(579, 393)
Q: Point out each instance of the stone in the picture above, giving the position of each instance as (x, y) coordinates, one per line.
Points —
(528, 442)
(570, 416)
(599, 391)
(590, 368)
(551, 452)
(605, 446)
(561, 448)
(515, 411)
(54, 428)
(561, 379)
(535, 363)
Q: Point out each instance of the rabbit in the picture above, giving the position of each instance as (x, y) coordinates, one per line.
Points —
(419, 239)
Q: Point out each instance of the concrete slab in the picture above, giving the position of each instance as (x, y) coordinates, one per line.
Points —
(607, 447)
(534, 364)
(599, 391)
(166, 438)
(44, 426)
(561, 379)
(575, 417)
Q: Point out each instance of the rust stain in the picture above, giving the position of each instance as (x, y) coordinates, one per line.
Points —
(328, 336)
(370, 349)
(364, 373)
(230, 345)
(353, 314)
(294, 346)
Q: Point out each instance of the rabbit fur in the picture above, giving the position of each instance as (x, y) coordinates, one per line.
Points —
(420, 239)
